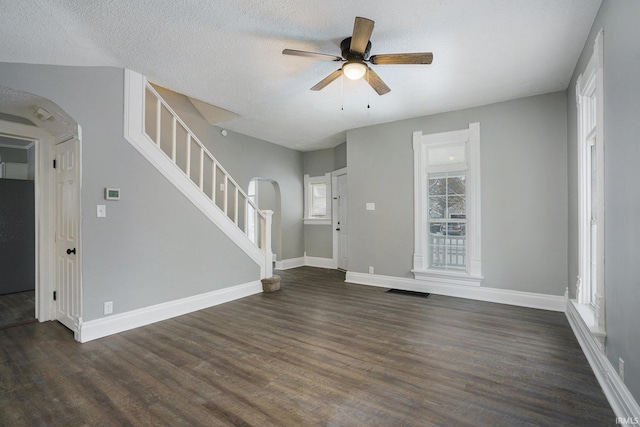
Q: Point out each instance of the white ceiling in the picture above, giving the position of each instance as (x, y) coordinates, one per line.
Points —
(228, 53)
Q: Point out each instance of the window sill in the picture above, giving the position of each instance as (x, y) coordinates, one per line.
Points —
(588, 316)
(317, 221)
(447, 277)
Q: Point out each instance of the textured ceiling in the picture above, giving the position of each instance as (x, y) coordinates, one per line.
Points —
(228, 53)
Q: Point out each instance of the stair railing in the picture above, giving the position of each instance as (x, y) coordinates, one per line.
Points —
(173, 137)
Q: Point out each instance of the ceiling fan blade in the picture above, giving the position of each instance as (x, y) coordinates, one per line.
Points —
(402, 58)
(315, 55)
(362, 29)
(324, 82)
(376, 82)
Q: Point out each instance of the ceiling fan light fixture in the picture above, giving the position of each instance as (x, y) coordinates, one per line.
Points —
(354, 70)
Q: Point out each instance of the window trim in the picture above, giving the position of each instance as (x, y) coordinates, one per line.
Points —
(590, 84)
(421, 270)
(308, 182)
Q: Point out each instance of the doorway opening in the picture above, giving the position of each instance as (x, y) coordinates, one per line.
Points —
(265, 193)
(17, 231)
(35, 124)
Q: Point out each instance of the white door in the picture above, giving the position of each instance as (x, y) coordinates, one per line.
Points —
(67, 292)
(342, 226)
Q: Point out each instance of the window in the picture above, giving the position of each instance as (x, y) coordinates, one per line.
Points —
(447, 206)
(317, 209)
(447, 221)
(318, 200)
(590, 281)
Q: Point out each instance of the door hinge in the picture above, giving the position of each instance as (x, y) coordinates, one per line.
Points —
(55, 296)
(54, 163)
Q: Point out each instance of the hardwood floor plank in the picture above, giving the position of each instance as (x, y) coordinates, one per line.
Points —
(17, 308)
(319, 352)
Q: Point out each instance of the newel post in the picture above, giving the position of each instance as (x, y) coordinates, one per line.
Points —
(266, 241)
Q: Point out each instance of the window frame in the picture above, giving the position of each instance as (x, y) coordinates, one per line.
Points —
(590, 300)
(309, 182)
(470, 137)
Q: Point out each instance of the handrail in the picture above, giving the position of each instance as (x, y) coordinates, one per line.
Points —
(252, 231)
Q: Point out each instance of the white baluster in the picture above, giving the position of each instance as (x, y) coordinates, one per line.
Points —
(235, 214)
(246, 216)
(226, 199)
(201, 177)
(173, 139)
(188, 171)
(257, 228)
(213, 182)
(266, 238)
(158, 118)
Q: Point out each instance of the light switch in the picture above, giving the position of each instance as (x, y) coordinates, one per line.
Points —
(371, 206)
(101, 211)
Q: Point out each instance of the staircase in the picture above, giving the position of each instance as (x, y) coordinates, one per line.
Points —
(157, 132)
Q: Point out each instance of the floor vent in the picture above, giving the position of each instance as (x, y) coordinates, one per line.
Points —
(412, 293)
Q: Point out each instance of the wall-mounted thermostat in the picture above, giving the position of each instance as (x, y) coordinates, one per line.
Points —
(112, 193)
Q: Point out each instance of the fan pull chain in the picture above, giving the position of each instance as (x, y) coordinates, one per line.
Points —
(342, 93)
(368, 90)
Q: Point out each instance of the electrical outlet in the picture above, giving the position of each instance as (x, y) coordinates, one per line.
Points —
(621, 368)
(370, 269)
(108, 307)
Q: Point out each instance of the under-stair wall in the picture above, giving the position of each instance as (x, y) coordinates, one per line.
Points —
(246, 158)
(157, 132)
(155, 255)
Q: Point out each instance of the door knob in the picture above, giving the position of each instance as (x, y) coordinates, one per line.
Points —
(71, 251)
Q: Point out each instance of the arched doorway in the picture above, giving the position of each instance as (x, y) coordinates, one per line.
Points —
(48, 131)
(266, 193)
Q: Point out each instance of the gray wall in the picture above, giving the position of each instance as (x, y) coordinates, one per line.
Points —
(17, 236)
(15, 119)
(13, 155)
(524, 193)
(246, 158)
(319, 162)
(340, 156)
(318, 238)
(619, 19)
(153, 246)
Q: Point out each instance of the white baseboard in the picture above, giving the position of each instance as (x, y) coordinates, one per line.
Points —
(618, 395)
(501, 296)
(309, 261)
(286, 264)
(105, 326)
(313, 261)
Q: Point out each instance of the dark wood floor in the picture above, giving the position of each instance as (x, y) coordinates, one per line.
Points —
(17, 308)
(317, 352)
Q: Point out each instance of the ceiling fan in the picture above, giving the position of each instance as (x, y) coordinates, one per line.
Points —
(355, 51)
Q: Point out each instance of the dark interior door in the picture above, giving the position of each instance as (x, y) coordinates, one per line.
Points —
(17, 236)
